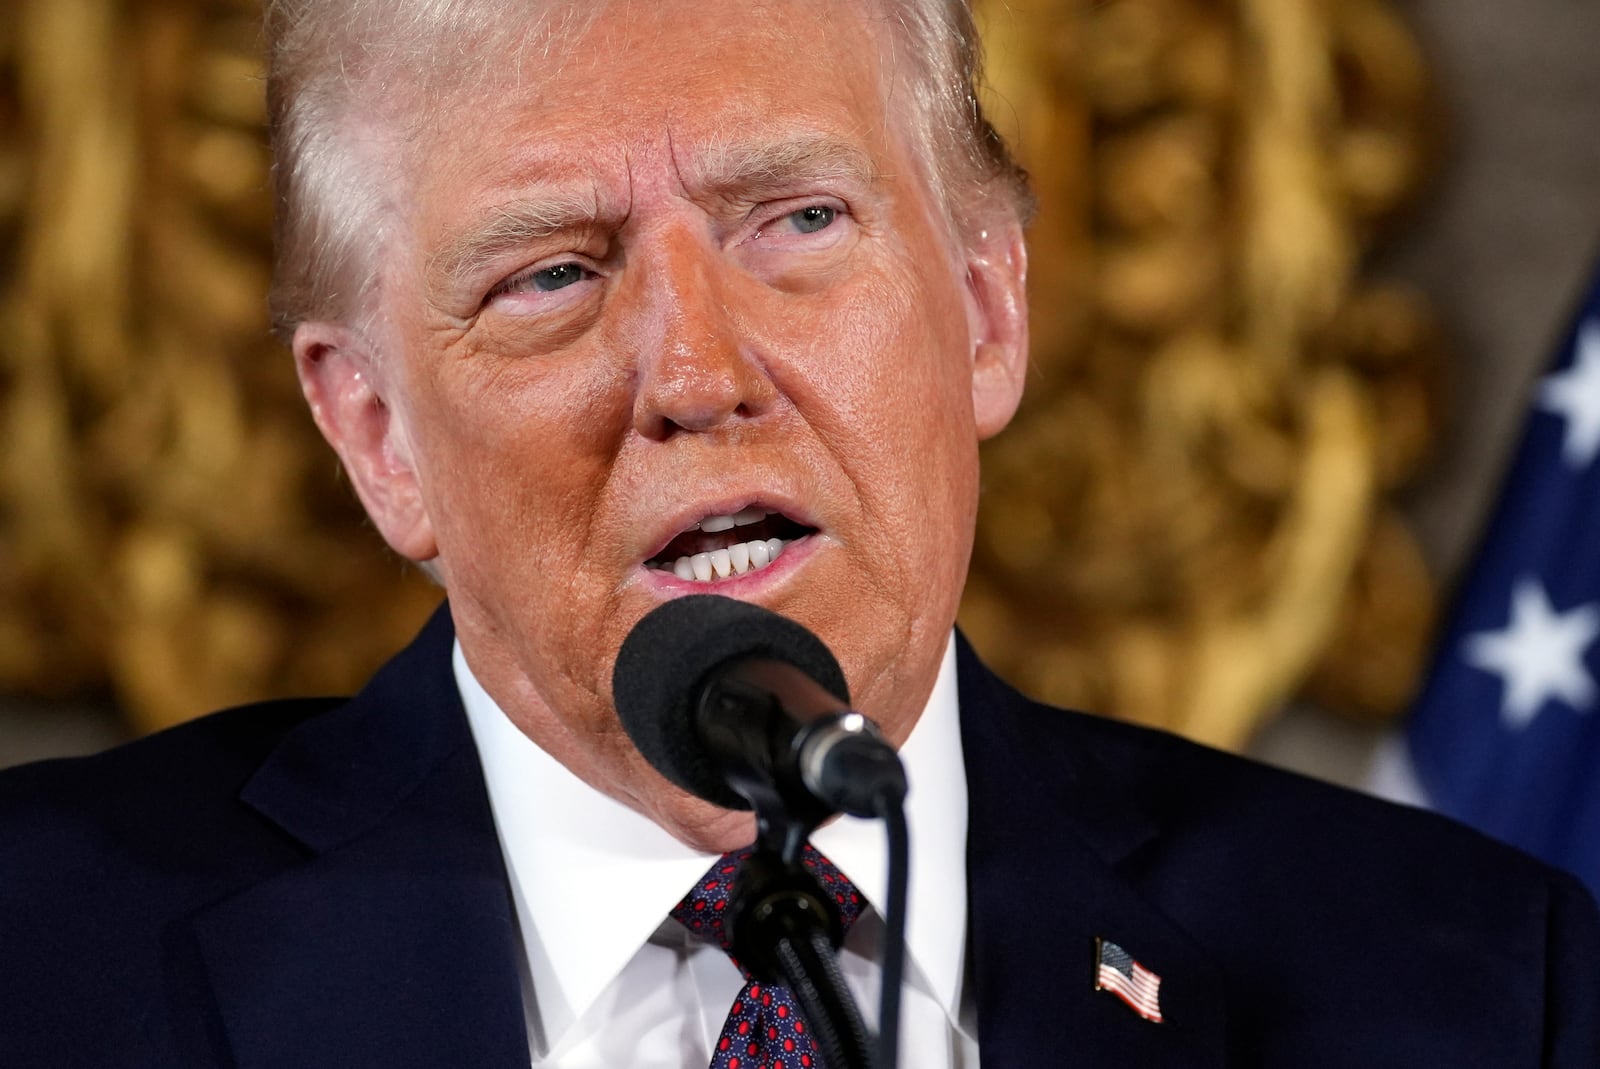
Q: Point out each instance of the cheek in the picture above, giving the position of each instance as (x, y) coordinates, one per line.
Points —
(901, 390)
(887, 391)
(535, 431)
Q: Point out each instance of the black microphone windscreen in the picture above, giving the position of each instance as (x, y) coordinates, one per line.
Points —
(669, 654)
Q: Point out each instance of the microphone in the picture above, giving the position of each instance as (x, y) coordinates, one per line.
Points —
(748, 709)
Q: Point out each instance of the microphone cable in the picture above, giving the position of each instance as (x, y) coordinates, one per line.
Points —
(892, 811)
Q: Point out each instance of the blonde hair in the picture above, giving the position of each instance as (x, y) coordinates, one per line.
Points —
(337, 69)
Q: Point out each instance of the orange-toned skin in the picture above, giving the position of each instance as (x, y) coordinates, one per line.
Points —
(716, 345)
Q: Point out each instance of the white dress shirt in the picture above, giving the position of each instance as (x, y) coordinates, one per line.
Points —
(610, 981)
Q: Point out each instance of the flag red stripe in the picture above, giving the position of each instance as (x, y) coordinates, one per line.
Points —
(1141, 992)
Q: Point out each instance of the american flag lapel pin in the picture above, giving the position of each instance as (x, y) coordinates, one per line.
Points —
(1116, 971)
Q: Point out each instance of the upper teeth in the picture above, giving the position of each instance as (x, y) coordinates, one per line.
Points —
(743, 518)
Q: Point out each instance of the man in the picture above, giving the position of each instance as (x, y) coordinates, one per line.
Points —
(605, 303)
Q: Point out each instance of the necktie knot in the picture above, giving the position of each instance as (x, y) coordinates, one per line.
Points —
(764, 1027)
(704, 909)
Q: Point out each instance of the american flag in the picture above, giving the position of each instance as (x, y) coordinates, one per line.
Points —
(1117, 972)
(1506, 732)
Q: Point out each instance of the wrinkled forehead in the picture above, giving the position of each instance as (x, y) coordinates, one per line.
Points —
(463, 57)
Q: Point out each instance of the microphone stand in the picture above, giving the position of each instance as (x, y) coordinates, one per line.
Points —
(785, 928)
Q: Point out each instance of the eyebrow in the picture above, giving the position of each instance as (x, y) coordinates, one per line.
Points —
(512, 225)
(725, 167)
(752, 168)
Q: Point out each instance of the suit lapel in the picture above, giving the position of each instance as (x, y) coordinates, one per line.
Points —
(394, 944)
(1053, 852)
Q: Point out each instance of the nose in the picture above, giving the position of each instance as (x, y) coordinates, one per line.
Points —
(696, 370)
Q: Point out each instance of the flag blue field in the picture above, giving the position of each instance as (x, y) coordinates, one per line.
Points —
(1506, 732)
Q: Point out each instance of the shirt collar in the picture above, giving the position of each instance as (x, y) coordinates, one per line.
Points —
(936, 819)
(592, 879)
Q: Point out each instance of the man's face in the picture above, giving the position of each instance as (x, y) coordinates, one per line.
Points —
(684, 268)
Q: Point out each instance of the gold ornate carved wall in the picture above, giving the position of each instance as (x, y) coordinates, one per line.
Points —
(170, 525)
(1190, 517)
(1186, 523)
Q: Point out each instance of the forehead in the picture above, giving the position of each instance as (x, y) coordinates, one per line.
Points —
(696, 84)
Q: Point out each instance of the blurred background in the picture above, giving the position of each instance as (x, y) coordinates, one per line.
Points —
(1297, 265)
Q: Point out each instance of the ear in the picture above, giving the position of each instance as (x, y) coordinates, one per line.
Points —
(997, 291)
(342, 380)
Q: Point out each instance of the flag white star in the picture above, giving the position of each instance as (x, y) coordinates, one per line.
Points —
(1539, 655)
(1574, 394)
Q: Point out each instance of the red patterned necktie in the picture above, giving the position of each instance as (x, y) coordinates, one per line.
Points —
(764, 1029)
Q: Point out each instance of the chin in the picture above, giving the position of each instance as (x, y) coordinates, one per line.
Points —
(706, 827)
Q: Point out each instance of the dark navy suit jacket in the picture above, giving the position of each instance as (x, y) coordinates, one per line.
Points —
(318, 883)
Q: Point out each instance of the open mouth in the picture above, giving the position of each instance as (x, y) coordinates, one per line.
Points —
(723, 547)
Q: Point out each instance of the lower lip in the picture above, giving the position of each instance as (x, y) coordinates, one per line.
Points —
(794, 555)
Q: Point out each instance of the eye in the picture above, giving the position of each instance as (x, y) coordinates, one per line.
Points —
(815, 217)
(549, 279)
(544, 280)
(556, 289)
(809, 232)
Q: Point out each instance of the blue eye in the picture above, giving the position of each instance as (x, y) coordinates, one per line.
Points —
(557, 277)
(812, 219)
